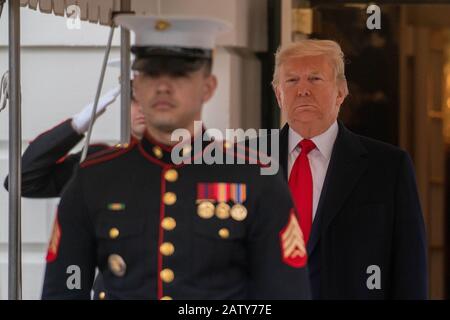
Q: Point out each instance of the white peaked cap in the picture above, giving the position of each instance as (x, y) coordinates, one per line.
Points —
(173, 31)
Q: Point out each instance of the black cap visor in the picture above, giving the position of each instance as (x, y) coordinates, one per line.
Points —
(174, 61)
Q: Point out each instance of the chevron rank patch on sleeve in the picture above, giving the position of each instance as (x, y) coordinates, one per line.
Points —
(53, 246)
(292, 243)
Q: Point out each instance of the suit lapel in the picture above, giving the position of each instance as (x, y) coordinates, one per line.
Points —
(348, 162)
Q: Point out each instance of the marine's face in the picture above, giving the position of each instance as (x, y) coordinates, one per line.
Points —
(171, 102)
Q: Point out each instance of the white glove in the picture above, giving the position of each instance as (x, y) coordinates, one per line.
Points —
(80, 121)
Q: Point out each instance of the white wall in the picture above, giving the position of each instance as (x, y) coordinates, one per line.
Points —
(60, 70)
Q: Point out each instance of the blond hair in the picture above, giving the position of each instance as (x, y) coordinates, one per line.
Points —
(311, 47)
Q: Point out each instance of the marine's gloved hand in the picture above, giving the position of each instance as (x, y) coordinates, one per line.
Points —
(80, 122)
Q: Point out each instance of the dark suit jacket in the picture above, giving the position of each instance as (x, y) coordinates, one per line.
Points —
(368, 214)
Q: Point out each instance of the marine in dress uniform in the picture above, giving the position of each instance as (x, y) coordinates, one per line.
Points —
(47, 164)
(160, 230)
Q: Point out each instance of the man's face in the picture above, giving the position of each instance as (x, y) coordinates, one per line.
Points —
(172, 102)
(308, 92)
(137, 120)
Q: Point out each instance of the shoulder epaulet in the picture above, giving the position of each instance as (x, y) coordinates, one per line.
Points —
(108, 154)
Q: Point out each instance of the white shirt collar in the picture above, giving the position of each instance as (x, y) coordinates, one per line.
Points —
(324, 142)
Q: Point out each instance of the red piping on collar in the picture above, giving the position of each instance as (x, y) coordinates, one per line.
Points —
(108, 156)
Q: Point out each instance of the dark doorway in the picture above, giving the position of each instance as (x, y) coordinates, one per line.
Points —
(371, 109)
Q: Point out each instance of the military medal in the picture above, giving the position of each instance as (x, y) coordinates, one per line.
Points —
(223, 211)
(238, 212)
(238, 195)
(205, 196)
(222, 192)
(205, 210)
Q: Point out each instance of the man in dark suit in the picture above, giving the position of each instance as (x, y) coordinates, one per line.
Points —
(356, 197)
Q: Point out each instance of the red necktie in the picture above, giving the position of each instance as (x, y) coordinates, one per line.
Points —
(301, 186)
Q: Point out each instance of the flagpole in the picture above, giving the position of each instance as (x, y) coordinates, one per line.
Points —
(15, 149)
